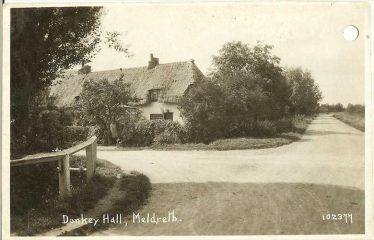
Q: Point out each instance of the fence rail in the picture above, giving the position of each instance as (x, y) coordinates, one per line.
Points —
(63, 158)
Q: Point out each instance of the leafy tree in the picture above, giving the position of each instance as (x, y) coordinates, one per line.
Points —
(339, 107)
(356, 109)
(203, 108)
(305, 93)
(252, 81)
(245, 102)
(104, 102)
(246, 85)
(238, 62)
(331, 107)
(45, 42)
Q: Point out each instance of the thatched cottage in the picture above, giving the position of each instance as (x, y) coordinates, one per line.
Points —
(159, 86)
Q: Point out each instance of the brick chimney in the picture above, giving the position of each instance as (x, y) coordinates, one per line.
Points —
(153, 62)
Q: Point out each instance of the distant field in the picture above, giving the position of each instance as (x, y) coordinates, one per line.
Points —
(356, 120)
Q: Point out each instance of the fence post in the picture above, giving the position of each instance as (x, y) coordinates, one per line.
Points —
(64, 176)
(91, 160)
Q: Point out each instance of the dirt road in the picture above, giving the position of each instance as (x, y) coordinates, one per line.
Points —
(283, 190)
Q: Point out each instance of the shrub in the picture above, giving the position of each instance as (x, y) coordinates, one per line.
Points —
(146, 132)
(326, 108)
(259, 128)
(263, 128)
(166, 137)
(67, 117)
(168, 132)
(300, 123)
(46, 132)
(143, 134)
(203, 109)
(74, 134)
(50, 130)
(85, 69)
(283, 125)
(356, 109)
(127, 125)
(240, 129)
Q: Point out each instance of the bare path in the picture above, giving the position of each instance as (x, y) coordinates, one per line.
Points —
(283, 190)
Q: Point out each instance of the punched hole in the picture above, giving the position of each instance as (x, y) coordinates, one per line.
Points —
(350, 33)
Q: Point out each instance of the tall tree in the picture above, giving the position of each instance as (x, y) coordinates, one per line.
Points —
(252, 78)
(45, 42)
(305, 93)
(104, 102)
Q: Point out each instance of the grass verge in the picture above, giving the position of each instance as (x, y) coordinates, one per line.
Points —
(136, 190)
(48, 215)
(233, 144)
(221, 144)
(355, 120)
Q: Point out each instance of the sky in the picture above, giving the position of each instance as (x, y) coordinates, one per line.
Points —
(303, 35)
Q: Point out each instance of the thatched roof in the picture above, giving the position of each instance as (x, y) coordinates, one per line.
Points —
(172, 78)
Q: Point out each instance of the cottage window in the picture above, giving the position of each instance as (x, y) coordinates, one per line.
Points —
(165, 116)
(154, 95)
(168, 116)
(156, 116)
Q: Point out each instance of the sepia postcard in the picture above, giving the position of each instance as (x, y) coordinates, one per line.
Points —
(187, 120)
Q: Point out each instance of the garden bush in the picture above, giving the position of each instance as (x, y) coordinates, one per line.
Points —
(67, 117)
(166, 137)
(356, 109)
(46, 132)
(259, 128)
(141, 135)
(284, 125)
(146, 133)
(74, 134)
(51, 130)
(300, 123)
(169, 132)
(263, 128)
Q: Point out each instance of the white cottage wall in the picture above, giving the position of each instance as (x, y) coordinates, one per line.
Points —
(160, 108)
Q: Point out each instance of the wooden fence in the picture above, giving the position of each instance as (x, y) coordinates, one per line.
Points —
(63, 158)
